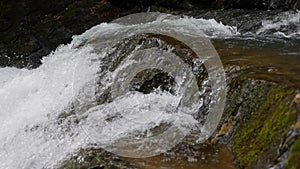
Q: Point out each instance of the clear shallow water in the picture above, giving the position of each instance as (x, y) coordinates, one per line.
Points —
(277, 61)
(200, 157)
(36, 133)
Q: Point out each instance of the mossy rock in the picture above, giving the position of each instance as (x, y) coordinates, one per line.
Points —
(258, 139)
(294, 158)
(244, 97)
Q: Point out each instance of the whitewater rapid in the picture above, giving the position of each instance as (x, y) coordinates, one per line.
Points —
(34, 133)
(285, 25)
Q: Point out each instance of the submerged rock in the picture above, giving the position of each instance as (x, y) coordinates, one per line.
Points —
(259, 123)
(95, 159)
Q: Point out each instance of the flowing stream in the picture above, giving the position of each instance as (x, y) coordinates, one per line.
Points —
(93, 92)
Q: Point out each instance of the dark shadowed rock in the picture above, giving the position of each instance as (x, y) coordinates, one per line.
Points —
(31, 29)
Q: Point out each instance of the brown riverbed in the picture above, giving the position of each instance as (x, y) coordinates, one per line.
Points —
(205, 156)
(279, 63)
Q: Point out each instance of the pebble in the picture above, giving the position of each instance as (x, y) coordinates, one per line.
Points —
(297, 99)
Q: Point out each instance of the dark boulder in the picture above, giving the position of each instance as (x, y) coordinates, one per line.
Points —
(31, 29)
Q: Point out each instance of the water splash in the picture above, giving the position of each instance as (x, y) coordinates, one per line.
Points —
(286, 25)
(45, 117)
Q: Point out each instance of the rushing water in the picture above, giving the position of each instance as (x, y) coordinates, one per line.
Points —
(46, 113)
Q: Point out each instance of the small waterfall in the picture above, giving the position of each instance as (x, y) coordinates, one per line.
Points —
(156, 80)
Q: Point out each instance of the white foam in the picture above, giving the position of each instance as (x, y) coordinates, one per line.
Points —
(34, 98)
(286, 24)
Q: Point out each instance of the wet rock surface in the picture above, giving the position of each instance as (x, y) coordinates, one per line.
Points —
(263, 133)
(95, 159)
(262, 111)
(260, 122)
(32, 29)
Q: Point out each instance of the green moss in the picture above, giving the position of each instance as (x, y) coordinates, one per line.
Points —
(296, 147)
(265, 128)
(294, 158)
